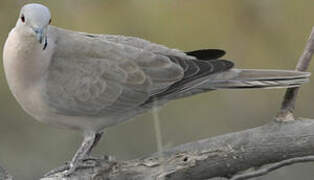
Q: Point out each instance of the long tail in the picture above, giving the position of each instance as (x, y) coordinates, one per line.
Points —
(245, 78)
(255, 78)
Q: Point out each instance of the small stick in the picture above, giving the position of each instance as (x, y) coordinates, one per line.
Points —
(288, 104)
(272, 167)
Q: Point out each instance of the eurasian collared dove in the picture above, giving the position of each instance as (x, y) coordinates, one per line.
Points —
(89, 82)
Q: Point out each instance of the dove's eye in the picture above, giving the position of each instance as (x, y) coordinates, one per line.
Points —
(49, 21)
(23, 18)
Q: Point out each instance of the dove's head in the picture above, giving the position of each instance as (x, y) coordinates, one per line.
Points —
(36, 18)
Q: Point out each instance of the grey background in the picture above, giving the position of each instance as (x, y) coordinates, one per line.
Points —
(255, 34)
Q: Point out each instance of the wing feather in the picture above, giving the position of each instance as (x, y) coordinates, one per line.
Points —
(86, 77)
(138, 43)
(93, 75)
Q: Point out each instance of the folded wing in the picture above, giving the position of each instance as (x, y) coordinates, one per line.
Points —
(97, 76)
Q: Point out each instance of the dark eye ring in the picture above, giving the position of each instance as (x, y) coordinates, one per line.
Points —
(23, 18)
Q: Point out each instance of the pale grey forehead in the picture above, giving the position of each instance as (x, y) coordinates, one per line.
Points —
(36, 12)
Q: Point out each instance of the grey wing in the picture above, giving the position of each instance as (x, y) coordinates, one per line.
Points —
(111, 80)
(89, 75)
(203, 54)
(139, 43)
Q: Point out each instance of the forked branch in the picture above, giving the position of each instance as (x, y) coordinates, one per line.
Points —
(288, 104)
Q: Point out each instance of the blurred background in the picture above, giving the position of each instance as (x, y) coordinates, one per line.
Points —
(255, 34)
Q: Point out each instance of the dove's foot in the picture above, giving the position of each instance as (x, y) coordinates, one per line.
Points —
(81, 159)
(84, 164)
(58, 170)
(69, 168)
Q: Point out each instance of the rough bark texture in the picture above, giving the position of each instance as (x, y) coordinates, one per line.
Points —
(288, 104)
(221, 156)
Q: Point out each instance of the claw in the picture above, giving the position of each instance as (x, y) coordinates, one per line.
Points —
(58, 170)
(69, 168)
(80, 159)
(84, 164)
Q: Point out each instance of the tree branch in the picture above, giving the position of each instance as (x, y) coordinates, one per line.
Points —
(221, 156)
(288, 104)
(269, 168)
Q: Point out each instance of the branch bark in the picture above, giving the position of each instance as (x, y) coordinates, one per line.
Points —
(288, 104)
(264, 170)
(221, 156)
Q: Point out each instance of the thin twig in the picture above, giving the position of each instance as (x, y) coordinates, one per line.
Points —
(288, 104)
(157, 126)
(272, 167)
(157, 129)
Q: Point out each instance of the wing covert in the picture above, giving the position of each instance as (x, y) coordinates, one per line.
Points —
(89, 80)
(102, 74)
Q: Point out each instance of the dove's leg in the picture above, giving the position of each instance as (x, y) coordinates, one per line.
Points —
(86, 146)
(89, 141)
(97, 138)
(78, 161)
